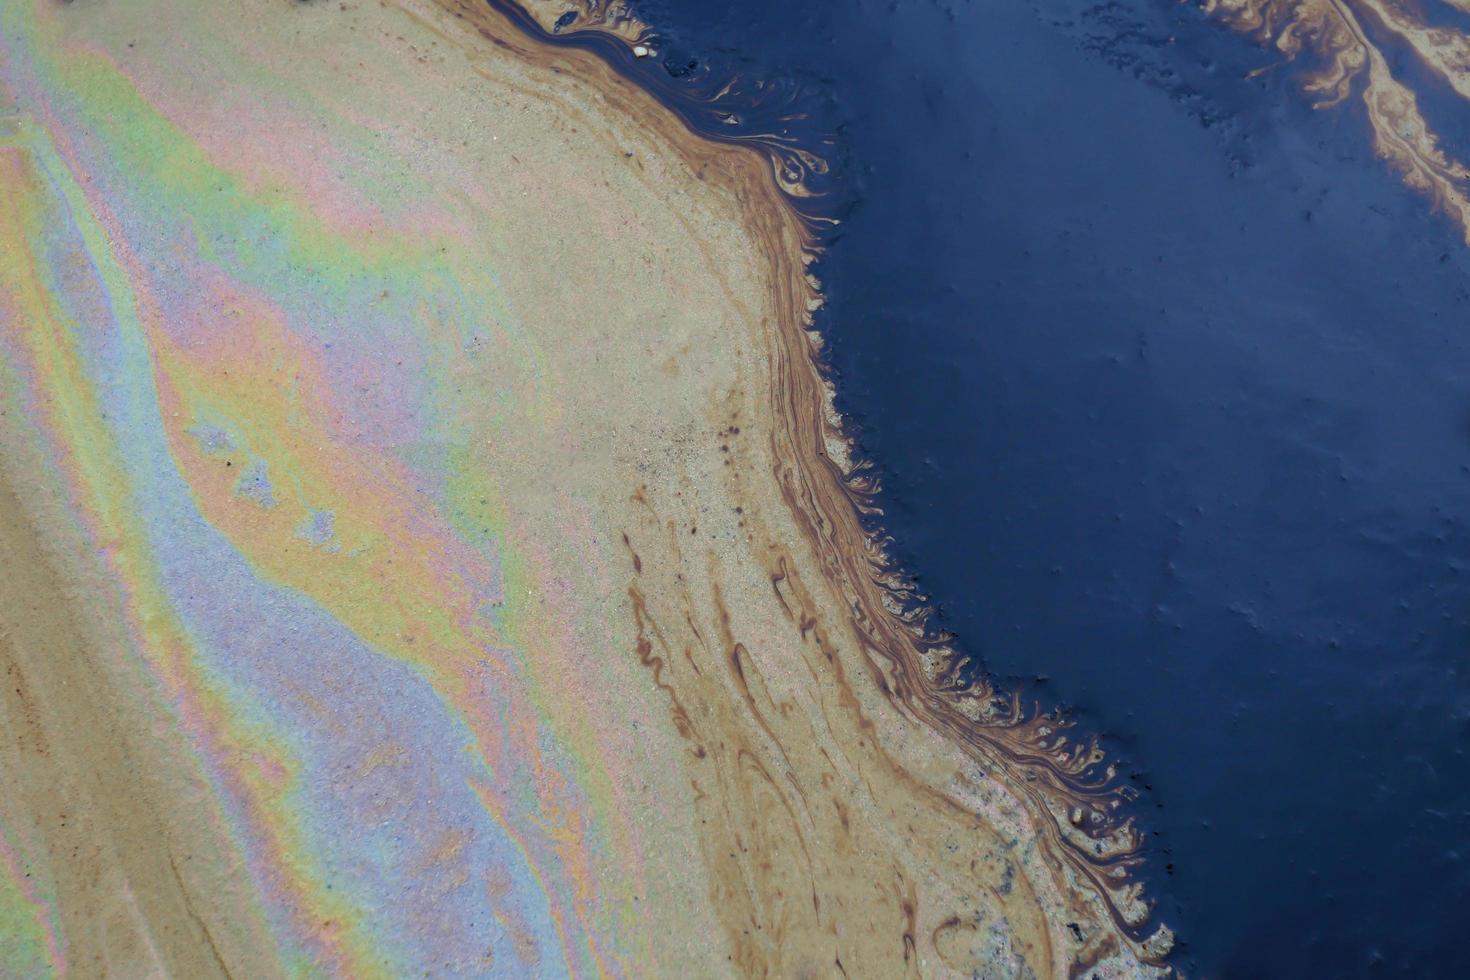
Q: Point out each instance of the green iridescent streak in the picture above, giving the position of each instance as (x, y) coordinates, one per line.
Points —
(271, 241)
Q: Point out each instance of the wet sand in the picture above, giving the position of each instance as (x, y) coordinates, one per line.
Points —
(429, 547)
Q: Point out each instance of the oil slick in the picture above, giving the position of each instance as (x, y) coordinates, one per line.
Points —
(431, 548)
(1388, 54)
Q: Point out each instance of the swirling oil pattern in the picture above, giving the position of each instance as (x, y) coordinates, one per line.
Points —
(1398, 59)
(1166, 376)
(430, 548)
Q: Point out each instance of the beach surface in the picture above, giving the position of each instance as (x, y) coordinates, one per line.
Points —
(429, 547)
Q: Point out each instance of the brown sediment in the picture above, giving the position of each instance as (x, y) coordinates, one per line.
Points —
(1358, 44)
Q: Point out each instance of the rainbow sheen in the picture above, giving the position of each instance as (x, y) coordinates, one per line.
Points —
(242, 329)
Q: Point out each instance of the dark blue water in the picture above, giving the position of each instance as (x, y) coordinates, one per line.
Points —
(1169, 381)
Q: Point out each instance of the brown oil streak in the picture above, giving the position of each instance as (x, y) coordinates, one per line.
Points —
(1377, 46)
